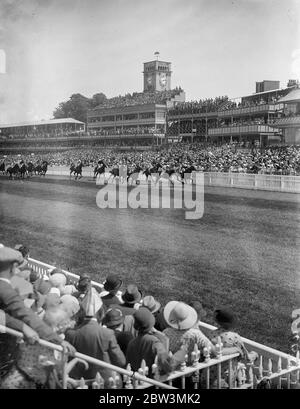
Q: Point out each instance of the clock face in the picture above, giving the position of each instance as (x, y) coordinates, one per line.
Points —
(163, 80)
(149, 80)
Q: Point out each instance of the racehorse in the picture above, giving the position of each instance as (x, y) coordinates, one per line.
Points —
(41, 170)
(77, 170)
(44, 168)
(22, 170)
(2, 168)
(30, 169)
(99, 169)
(13, 170)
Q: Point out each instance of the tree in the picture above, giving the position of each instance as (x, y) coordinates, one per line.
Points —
(98, 99)
(76, 107)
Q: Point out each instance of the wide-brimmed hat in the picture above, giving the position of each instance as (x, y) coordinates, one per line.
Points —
(132, 294)
(179, 315)
(112, 283)
(150, 303)
(143, 320)
(9, 256)
(113, 318)
(70, 304)
(58, 280)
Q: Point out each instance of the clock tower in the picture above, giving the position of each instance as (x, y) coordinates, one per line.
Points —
(157, 75)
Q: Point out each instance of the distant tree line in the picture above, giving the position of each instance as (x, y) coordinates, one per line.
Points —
(77, 106)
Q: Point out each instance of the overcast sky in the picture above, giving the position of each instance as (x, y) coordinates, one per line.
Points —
(55, 48)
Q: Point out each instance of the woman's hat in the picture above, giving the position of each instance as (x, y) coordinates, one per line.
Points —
(22, 286)
(132, 294)
(113, 318)
(143, 320)
(84, 282)
(150, 303)
(179, 315)
(70, 304)
(112, 283)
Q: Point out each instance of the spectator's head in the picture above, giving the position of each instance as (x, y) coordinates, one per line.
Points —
(179, 315)
(144, 320)
(112, 284)
(58, 280)
(132, 295)
(57, 319)
(22, 286)
(23, 250)
(150, 303)
(84, 283)
(113, 318)
(225, 318)
(10, 259)
(51, 300)
(70, 304)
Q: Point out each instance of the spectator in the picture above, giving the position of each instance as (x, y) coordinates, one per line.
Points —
(93, 339)
(112, 285)
(183, 329)
(114, 319)
(147, 345)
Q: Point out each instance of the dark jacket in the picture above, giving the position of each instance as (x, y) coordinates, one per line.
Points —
(149, 345)
(110, 299)
(92, 339)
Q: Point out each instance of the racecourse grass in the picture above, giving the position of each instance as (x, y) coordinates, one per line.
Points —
(243, 253)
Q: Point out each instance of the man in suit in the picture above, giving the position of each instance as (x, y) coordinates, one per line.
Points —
(91, 338)
(13, 305)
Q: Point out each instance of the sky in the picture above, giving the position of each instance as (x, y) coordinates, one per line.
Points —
(50, 49)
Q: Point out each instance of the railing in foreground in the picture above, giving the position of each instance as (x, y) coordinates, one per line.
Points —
(278, 369)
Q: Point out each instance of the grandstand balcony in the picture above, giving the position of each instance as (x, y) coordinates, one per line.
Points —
(251, 110)
(188, 116)
(241, 130)
(287, 122)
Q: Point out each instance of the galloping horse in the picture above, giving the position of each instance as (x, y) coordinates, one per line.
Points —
(77, 170)
(13, 170)
(99, 169)
(30, 169)
(41, 170)
(2, 167)
(22, 170)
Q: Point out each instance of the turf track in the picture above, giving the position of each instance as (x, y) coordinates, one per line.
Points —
(242, 254)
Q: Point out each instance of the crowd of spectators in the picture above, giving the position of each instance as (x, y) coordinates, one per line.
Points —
(199, 107)
(140, 98)
(115, 322)
(181, 156)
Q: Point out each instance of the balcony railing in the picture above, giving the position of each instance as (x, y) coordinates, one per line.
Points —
(240, 129)
(257, 109)
(279, 369)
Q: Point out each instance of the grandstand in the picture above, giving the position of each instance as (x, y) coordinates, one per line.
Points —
(249, 119)
(42, 129)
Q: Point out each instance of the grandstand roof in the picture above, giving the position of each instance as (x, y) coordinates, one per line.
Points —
(48, 122)
(264, 92)
(293, 96)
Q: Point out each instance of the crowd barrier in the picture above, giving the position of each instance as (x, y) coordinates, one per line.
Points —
(279, 369)
(275, 183)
